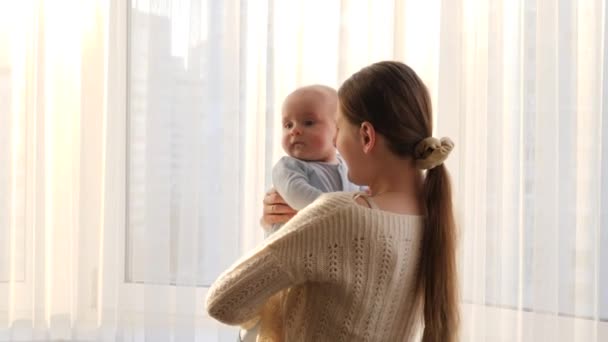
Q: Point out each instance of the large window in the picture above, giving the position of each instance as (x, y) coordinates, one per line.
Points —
(185, 143)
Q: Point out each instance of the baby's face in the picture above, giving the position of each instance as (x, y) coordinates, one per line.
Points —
(309, 129)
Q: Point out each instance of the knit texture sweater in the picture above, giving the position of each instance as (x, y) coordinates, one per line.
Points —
(344, 272)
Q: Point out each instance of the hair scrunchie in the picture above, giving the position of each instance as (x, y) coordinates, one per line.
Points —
(431, 152)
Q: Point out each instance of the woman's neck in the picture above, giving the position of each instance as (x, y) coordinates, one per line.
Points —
(400, 176)
(398, 188)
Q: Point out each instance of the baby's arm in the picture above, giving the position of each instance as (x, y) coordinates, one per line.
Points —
(291, 181)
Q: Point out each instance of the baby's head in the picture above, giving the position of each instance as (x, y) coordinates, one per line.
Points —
(309, 123)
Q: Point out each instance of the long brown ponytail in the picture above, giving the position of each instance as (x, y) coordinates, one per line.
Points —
(438, 273)
(391, 96)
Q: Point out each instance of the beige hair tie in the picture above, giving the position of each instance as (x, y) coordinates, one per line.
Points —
(431, 152)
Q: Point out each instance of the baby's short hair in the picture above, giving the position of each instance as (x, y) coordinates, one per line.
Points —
(323, 92)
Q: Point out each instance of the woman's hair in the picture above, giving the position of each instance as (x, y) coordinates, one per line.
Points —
(391, 97)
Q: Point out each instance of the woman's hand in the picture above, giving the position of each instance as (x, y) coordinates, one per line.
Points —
(275, 210)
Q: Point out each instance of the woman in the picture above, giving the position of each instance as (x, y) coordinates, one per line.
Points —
(363, 266)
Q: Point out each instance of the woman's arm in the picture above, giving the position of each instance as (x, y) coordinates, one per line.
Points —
(239, 294)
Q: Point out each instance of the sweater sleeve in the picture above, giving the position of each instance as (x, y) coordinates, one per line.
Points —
(290, 178)
(239, 294)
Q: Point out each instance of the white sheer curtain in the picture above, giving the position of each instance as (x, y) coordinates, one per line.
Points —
(522, 88)
(136, 140)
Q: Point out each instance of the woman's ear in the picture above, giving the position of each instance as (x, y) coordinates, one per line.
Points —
(368, 136)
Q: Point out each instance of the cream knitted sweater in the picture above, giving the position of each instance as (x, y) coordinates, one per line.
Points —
(348, 273)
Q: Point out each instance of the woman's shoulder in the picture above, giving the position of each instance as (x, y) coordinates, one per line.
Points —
(325, 207)
(328, 203)
(337, 198)
(331, 202)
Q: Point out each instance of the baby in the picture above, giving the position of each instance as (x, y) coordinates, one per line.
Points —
(311, 167)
